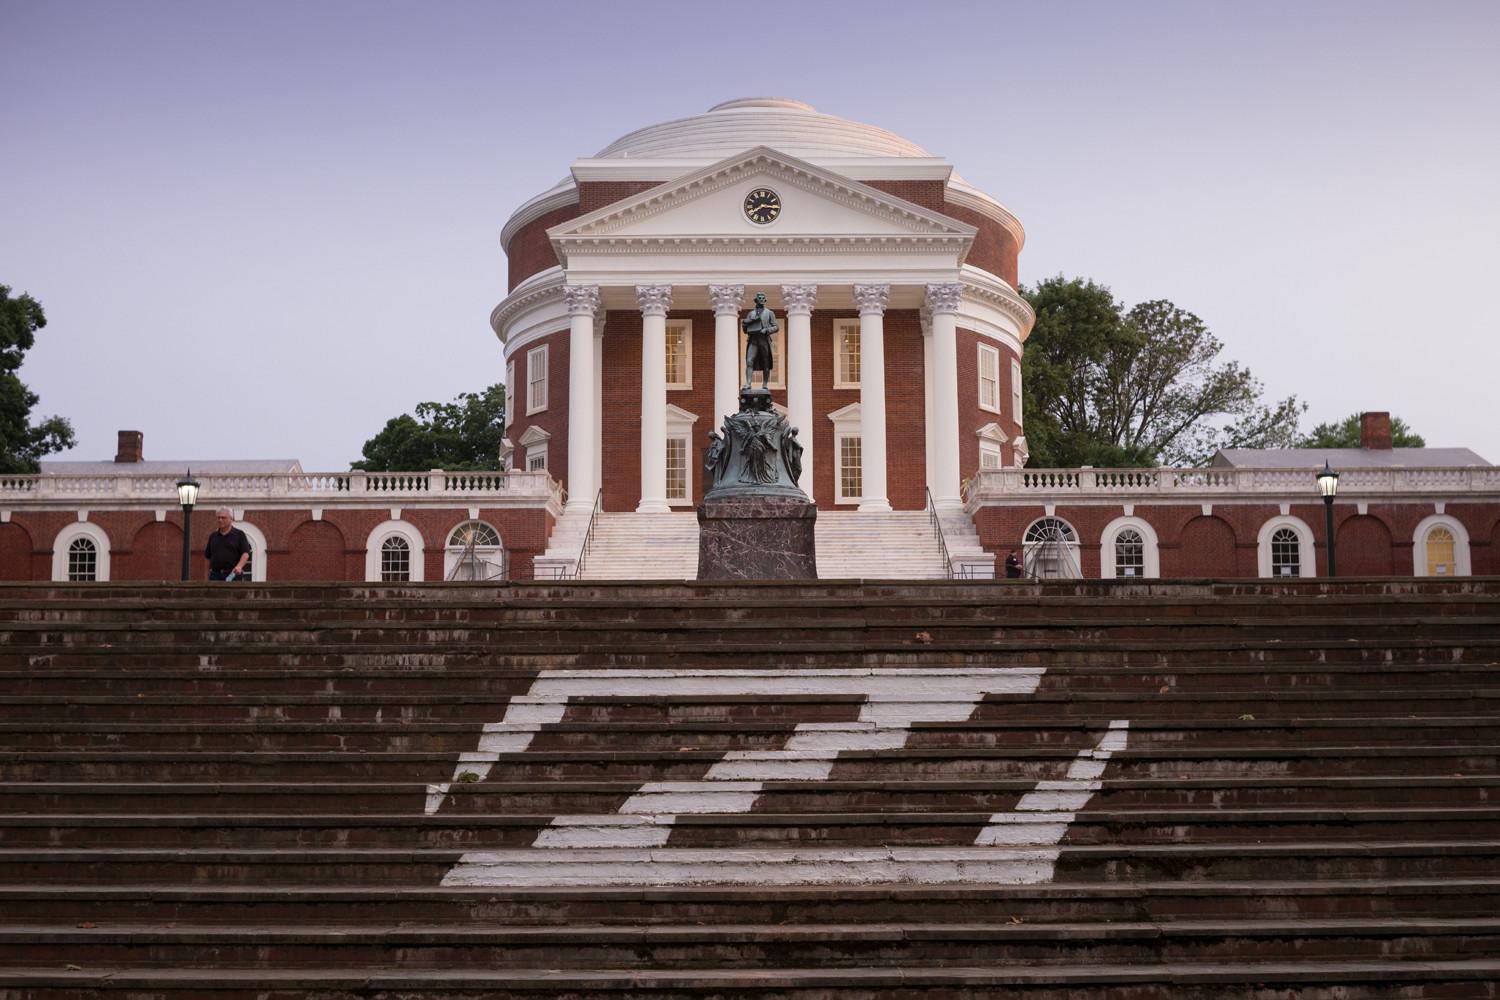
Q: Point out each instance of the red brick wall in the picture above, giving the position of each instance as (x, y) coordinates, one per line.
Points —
(554, 419)
(594, 195)
(530, 252)
(1204, 547)
(1364, 548)
(15, 552)
(995, 249)
(905, 427)
(155, 553)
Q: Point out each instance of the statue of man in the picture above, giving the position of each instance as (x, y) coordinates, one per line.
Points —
(759, 325)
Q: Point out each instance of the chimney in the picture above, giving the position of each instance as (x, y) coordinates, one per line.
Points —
(130, 447)
(1375, 431)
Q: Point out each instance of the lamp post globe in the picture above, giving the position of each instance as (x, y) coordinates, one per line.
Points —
(1328, 488)
(187, 495)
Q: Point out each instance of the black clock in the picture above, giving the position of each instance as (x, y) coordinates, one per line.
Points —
(762, 206)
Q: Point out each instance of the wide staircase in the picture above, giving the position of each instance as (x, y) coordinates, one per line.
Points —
(1241, 789)
(900, 545)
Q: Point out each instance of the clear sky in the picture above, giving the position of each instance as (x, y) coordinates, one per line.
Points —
(259, 230)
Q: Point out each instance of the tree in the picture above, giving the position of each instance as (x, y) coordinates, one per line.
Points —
(1345, 434)
(22, 444)
(463, 434)
(1109, 387)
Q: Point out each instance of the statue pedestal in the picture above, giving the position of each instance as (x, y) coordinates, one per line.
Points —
(757, 538)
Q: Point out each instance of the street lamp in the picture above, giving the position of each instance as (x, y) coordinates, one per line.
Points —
(1328, 487)
(187, 495)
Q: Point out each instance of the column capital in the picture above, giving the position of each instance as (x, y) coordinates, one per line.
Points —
(871, 299)
(944, 297)
(727, 299)
(654, 300)
(582, 300)
(798, 300)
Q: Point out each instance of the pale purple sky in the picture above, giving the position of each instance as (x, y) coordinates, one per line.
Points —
(261, 229)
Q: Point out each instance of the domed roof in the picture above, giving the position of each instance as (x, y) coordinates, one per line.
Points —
(787, 125)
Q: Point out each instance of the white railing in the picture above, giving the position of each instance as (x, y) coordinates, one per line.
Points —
(322, 487)
(1003, 485)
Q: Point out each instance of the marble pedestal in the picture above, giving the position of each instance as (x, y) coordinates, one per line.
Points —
(757, 538)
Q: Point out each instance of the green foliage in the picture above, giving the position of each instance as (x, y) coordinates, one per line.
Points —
(1345, 434)
(1109, 387)
(21, 444)
(464, 434)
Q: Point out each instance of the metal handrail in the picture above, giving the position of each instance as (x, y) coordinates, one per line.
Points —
(937, 529)
(588, 536)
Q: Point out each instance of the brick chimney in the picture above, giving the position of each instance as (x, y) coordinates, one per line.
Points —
(1375, 431)
(130, 447)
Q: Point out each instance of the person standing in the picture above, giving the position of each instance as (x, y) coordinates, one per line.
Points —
(228, 549)
(1012, 566)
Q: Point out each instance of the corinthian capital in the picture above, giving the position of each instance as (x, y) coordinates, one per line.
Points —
(871, 299)
(655, 300)
(727, 299)
(944, 297)
(582, 300)
(799, 299)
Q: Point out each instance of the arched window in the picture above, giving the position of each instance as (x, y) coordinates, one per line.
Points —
(83, 561)
(80, 554)
(395, 553)
(1440, 547)
(1128, 550)
(1285, 548)
(1050, 549)
(395, 560)
(474, 553)
(1286, 553)
(1130, 554)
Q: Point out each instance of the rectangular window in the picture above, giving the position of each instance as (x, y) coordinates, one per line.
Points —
(679, 354)
(536, 379)
(846, 354)
(1015, 390)
(989, 378)
(989, 455)
(83, 561)
(510, 393)
(851, 469)
(677, 470)
(536, 458)
(395, 561)
(778, 359)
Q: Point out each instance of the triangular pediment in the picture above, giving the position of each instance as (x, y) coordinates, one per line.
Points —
(705, 209)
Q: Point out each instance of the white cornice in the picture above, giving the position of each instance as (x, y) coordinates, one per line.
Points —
(859, 168)
(755, 244)
(539, 289)
(561, 196)
(968, 196)
(987, 288)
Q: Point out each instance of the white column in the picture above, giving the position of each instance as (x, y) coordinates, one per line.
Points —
(654, 300)
(798, 301)
(927, 396)
(871, 300)
(727, 300)
(600, 319)
(583, 442)
(943, 300)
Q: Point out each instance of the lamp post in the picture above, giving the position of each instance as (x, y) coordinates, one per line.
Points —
(187, 495)
(1328, 486)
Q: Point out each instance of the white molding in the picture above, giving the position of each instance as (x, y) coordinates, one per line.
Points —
(839, 326)
(317, 514)
(545, 288)
(1307, 553)
(847, 422)
(1462, 564)
(679, 424)
(687, 354)
(259, 549)
(376, 538)
(965, 195)
(66, 536)
(565, 193)
(991, 432)
(534, 405)
(534, 435)
(662, 168)
(992, 351)
(1152, 546)
(160, 514)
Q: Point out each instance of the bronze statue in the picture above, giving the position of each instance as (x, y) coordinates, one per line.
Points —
(759, 326)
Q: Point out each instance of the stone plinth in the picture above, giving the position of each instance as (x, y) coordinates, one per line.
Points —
(751, 538)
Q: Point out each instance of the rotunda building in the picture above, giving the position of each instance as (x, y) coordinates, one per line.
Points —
(894, 282)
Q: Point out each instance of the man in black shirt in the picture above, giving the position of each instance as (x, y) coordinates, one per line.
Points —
(228, 550)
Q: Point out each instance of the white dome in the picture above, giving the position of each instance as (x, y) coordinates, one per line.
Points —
(783, 124)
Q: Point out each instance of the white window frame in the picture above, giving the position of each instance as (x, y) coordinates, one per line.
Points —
(1307, 553)
(536, 388)
(536, 458)
(1462, 566)
(991, 354)
(1015, 391)
(452, 551)
(839, 327)
(679, 424)
(510, 393)
(991, 442)
(1071, 566)
(377, 538)
(778, 358)
(686, 368)
(259, 555)
(66, 537)
(846, 424)
(1151, 549)
(534, 442)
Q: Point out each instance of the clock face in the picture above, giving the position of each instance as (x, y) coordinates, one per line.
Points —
(762, 206)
